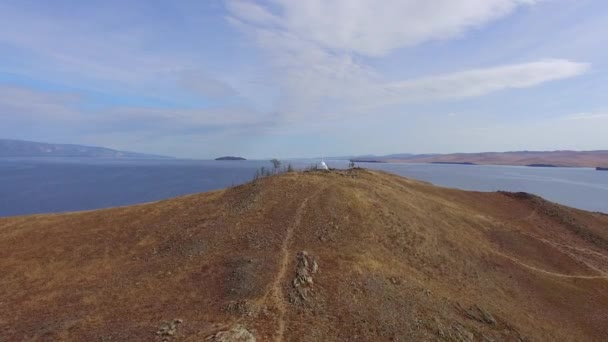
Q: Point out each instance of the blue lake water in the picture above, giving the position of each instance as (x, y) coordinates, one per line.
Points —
(43, 185)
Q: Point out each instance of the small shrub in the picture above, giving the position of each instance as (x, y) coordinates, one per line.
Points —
(276, 164)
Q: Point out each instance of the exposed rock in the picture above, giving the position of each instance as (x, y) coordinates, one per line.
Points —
(456, 332)
(237, 333)
(306, 267)
(168, 329)
(479, 314)
(241, 307)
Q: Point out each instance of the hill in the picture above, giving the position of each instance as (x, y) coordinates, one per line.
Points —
(521, 158)
(21, 148)
(315, 256)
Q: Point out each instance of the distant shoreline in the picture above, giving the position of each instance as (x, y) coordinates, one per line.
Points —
(367, 161)
(541, 165)
(589, 159)
(453, 163)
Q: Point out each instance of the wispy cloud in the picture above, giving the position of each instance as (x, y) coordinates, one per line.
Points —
(368, 28)
(585, 116)
(315, 49)
(27, 105)
(200, 83)
(477, 82)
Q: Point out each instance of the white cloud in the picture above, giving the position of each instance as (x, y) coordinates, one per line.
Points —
(479, 82)
(315, 50)
(373, 28)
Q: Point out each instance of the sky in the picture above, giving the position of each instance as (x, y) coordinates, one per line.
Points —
(310, 78)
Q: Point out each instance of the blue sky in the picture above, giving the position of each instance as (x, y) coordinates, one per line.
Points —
(282, 78)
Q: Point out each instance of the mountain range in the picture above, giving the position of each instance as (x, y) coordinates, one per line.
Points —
(21, 148)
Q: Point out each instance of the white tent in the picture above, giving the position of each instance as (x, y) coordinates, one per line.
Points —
(323, 166)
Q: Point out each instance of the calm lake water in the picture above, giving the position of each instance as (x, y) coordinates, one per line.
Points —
(39, 185)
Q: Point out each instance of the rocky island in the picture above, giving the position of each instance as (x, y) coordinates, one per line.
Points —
(230, 158)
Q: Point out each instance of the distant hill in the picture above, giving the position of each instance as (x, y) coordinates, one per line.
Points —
(373, 156)
(21, 148)
(522, 158)
(351, 255)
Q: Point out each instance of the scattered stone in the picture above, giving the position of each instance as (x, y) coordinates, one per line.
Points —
(169, 329)
(241, 307)
(479, 314)
(460, 333)
(303, 282)
(237, 333)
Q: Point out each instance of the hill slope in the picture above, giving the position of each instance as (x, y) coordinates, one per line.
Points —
(318, 256)
(21, 148)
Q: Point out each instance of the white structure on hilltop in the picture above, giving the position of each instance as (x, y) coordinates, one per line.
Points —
(323, 166)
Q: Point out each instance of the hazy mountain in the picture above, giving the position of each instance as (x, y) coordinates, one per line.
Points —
(21, 148)
(350, 255)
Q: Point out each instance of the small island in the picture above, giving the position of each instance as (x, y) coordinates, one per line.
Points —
(230, 158)
(601, 168)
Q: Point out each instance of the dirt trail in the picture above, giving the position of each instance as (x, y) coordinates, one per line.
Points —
(276, 290)
(539, 270)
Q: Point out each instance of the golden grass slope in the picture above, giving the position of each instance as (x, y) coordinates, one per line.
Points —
(387, 259)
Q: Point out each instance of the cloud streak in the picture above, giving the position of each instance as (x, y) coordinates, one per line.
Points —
(585, 116)
(314, 49)
(370, 28)
(478, 82)
(28, 105)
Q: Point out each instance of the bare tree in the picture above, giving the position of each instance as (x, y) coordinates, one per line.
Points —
(276, 163)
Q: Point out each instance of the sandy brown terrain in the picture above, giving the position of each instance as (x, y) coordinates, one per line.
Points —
(523, 158)
(318, 256)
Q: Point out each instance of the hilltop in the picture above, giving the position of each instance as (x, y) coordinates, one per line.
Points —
(26, 149)
(352, 255)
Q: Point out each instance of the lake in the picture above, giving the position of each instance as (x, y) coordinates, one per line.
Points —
(44, 185)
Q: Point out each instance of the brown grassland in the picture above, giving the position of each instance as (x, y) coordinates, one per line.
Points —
(387, 259)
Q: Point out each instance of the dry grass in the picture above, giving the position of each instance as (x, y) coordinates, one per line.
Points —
(398, 260)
